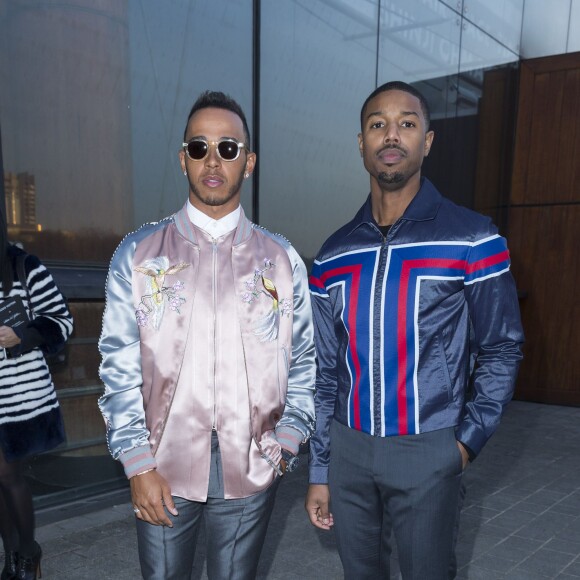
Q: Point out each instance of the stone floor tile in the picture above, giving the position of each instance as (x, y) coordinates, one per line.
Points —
(573, 569)
(547, 562)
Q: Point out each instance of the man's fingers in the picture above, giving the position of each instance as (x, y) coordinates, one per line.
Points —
(168, 501)
(323, 522)
(312, 512)
(154, 513)
(324, 517)
(161, 517)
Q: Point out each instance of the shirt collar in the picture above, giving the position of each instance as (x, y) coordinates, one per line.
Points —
(215, 228)
(423, 206)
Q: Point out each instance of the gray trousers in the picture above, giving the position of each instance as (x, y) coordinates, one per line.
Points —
(409, 485)
(235, 530)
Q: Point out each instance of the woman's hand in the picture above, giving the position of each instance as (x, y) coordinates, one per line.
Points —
(8, 338)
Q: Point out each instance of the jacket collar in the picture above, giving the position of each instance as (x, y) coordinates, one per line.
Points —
(186, 229)
(424, 206)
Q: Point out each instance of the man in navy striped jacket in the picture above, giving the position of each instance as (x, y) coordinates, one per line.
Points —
(403, 296)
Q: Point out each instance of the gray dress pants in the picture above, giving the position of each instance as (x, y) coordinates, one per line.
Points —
(409, 485)
(235, 531)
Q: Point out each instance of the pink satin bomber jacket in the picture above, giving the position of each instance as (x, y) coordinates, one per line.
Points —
(201, 334)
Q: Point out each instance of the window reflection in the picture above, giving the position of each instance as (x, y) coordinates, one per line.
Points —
(66, 125)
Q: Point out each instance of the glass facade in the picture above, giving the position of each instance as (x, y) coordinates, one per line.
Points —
(556, 32)
(94, 96)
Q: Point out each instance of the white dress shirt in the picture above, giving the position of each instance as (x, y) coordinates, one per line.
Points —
(215, 228)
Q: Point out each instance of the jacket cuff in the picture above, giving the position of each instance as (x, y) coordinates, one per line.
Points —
(318, 475)
(471, 437)
(289, 438)
(137, 460)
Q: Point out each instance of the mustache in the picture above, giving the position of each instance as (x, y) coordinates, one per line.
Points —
(391, 147)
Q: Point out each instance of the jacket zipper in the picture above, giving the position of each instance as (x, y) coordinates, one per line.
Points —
(378, 299)
(214, 306)
(377, 402)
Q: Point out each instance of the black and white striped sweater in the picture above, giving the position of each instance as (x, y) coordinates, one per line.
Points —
(27, 395)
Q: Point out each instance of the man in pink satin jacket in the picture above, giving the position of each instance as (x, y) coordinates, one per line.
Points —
(207, 360)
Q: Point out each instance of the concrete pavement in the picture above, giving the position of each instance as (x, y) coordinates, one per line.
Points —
(521, 518)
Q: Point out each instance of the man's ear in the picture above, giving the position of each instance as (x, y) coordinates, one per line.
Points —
(429, 136)
(360, 144)
(250, 164)
(181, 155)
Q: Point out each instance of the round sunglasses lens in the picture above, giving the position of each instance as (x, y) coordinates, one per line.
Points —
(228, 150)
(197, 149)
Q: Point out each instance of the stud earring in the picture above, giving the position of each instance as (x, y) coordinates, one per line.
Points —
(246, 175)
(185, 173)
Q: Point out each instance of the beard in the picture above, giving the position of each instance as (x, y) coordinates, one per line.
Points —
(216, 199)
(391, 179)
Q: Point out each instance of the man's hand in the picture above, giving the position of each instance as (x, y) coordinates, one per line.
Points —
(464, 454)
(151, 495)
(8, 338)
(317, 500)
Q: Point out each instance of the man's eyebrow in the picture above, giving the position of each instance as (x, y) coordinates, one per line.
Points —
(402, 113)
(222, 138)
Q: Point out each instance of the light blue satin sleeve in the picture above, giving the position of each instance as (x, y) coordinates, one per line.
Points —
(120, 370)
(299, 411)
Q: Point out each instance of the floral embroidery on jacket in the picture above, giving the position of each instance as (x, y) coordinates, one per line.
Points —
(149, 311)
(267, 327)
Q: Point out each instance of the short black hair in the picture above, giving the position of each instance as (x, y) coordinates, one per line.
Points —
(399, 86)
(218, 100)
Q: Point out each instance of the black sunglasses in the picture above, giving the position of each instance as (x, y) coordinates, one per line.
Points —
(227, 149)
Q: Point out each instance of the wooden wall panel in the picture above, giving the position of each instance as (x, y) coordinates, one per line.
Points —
(454, 146)
(544, 227)
(544, 243)
(546, 168)
(495, 145)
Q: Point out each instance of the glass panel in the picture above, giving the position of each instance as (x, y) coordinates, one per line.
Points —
(318, 66)
(501, 19)
(64, 99)
(479, 51)
(470, 157)
(178, 50)
(542, 36)
(574, 31)
(456, 5)
(94, 97)
(419, 40)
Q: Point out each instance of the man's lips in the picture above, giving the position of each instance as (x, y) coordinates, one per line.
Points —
(391, 155)
(212, 181)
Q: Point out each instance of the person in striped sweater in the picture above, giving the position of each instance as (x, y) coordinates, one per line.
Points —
(30, 417)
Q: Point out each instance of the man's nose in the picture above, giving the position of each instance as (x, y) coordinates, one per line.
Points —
(212, 159)
(392, 133)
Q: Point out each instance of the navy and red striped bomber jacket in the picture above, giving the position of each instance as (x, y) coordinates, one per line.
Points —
(400, 319)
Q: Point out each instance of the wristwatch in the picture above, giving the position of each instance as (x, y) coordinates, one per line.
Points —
(291, 461)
